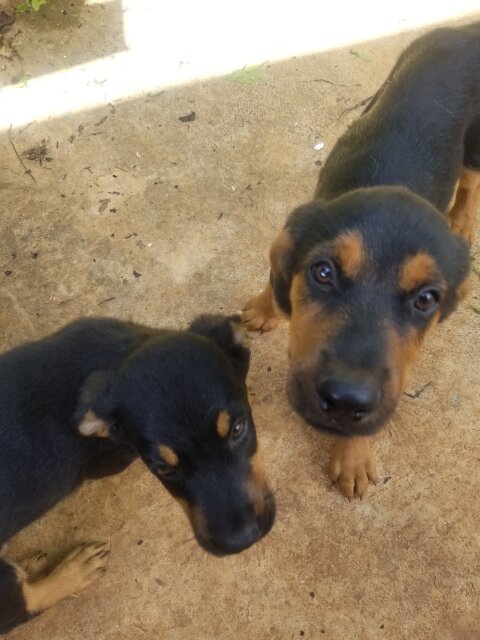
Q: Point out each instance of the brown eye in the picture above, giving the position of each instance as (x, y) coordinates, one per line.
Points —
(323, 273)
(238, 430)
(427, 300)
(164, 470)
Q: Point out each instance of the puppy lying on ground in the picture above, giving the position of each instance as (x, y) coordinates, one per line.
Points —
(367, 269)
(84, 402)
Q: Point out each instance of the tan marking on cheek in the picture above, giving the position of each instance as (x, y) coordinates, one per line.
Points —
(197, 519)
(349, 251)
(223, 424)
(279, 250)
(310, 327)
(168, 455)
(417, 270)
(404, 352)
(257, 486)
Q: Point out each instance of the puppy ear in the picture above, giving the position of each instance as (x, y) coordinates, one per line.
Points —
(94, 415)
(227, 332)
(281, 259)
(285, 249)
(457, 270)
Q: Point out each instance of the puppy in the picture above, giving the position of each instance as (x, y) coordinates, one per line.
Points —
(86, 401)
(367, 269)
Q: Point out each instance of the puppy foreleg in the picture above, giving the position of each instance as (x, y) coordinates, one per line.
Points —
(352, 466)
(76, 572)
(261, 313)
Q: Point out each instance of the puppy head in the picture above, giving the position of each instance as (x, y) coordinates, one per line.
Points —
(181, 401)
(363, 278)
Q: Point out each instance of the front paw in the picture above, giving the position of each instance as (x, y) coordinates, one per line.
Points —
(35, 565)
(260, 313)
(76, 572)
(352, 466)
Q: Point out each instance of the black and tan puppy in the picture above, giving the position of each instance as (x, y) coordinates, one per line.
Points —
(87, 400)
(368, 268)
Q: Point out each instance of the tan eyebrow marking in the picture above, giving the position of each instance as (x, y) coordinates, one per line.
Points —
(169, 456)
(223, 424)
(348, 249)
(416, 270)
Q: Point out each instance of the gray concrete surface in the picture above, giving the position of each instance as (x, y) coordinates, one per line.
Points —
(128, 211)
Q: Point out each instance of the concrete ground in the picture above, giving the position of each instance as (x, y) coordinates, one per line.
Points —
(128, 211)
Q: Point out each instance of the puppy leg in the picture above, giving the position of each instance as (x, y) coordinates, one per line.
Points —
(35, 565)
(22, 596)
(261, 312)
(13, 610)
(76, 572)
(352, 466)
(462, 215)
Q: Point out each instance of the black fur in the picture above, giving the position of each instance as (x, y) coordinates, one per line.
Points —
(390, 179)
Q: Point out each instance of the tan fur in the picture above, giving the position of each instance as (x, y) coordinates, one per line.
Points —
(261, 312)
(310, 325)
(168, 455)
(196, 518)
(352, 465)
(257, 486)
(417, 270)
(76, 572)
(35, 565)
(350, 254)
(404, 352)
(463, 214)
(92, 425)
(223, 424)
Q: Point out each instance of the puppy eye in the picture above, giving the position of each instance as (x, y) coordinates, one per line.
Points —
(323, 273)
(426, 300)
(164, 470)
(238, 430)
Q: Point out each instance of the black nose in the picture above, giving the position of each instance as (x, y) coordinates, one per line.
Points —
(240, 540)
(343, 398)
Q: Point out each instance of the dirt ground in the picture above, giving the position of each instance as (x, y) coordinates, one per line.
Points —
(129, 211)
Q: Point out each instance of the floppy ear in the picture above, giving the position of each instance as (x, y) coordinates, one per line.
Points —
(227, 332)
(285, 249)
(95, 411)
(457, 274)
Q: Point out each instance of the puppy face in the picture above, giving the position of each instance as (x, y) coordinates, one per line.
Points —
(363, 278)
(181, 402)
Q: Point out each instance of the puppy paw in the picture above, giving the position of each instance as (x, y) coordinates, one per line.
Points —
(352, 466)
(35, 565)
(82, 566)
(77, 571)
(260, 313)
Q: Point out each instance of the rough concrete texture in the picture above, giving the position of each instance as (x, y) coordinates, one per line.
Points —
(136, 214)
